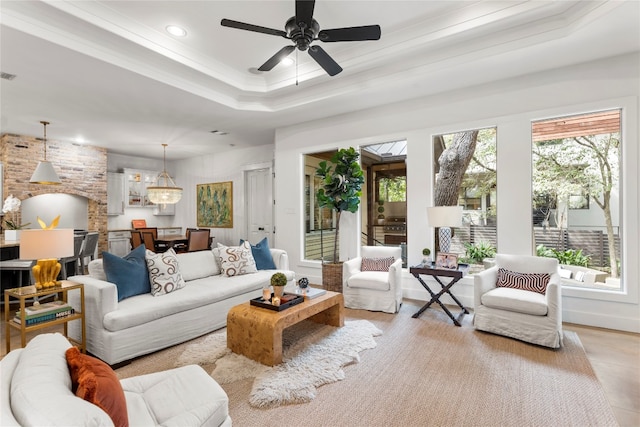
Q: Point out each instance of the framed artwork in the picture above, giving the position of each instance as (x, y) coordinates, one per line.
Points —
(447, 260)
(215, 205)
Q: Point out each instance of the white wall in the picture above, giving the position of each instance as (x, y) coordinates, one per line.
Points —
(226, 166)
(510, 105)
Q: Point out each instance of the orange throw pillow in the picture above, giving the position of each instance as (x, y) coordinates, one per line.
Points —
(95, 381)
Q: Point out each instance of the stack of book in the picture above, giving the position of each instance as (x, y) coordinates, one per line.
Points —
(44, 312)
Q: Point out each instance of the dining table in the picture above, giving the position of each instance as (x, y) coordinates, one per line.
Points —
(172, 240)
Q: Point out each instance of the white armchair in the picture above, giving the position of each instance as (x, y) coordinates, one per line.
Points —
(373, 290)
(525, 315)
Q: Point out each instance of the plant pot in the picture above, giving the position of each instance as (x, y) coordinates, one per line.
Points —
(489, 262)
(12, 235)
(278, 291)
(332, 276)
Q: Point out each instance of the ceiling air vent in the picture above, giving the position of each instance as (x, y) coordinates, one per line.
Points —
(7, 76)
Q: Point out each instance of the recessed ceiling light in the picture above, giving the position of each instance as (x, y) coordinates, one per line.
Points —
(174, 30)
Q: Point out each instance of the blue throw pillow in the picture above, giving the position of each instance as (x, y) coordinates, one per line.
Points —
(262, 255)
(129, 274)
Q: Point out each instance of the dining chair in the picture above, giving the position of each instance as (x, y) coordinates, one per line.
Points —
(149, 241)
(154, 231)
(88, 251)
(198, 240)
(181, 247)
(78, 240)
(136, 239)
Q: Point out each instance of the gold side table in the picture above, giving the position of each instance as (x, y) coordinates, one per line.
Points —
(26, 292)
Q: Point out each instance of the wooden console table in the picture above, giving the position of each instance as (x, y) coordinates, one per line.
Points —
(436, 273)
(256, 332)
(26, 292)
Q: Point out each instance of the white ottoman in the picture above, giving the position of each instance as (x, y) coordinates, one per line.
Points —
(177, 397)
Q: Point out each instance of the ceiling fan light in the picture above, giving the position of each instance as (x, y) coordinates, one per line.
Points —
(45, 174)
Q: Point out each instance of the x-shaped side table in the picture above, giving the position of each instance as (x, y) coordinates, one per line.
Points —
(436, 273)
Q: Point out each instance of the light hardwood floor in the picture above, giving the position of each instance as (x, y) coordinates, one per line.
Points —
(614, 355)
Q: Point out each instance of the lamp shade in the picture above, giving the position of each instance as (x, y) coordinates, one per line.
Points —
(46, 244)
(45, 174)
(444, 216)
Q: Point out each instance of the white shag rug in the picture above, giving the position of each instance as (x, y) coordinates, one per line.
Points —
(313, 355)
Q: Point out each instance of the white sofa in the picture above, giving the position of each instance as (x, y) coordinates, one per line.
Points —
(36, 389)
(119, 331)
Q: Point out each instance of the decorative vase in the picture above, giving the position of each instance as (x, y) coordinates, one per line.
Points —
(278, 291)
(12, 235)
(332, 276)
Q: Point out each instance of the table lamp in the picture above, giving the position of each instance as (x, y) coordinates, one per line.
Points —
(46, 246)
(444, 217)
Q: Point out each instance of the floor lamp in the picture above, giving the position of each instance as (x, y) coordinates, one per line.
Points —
(443, 218)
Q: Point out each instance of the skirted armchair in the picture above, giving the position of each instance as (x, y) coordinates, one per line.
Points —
(372, 281)
(520, 297)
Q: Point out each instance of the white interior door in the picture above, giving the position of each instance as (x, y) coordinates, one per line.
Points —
(260, 205)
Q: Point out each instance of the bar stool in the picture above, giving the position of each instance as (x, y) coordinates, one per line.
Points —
(18, 265)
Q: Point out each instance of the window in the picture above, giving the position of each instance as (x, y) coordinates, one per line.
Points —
(392, 189)
(319, 234)
(576, 190)
(466, 175)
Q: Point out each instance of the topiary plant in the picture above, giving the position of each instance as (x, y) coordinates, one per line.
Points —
(278, 279)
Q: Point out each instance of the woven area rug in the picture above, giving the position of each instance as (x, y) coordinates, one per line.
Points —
(423, 372)
(313, 355)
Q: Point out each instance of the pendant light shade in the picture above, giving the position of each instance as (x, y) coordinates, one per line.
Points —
(164, 190)
(44, 173)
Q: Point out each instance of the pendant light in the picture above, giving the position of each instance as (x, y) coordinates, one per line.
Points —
(44, 173)
(164, 190)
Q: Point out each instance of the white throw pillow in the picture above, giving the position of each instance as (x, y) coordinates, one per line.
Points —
(96, 269)
(164, 272)
(199, 264)
(236, 260)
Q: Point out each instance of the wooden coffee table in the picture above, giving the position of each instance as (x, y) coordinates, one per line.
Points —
(256, 332)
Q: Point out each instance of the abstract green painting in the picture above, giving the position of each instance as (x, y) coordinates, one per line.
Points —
(215, 205)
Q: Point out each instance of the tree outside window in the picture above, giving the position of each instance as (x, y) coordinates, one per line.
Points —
(576, 172)
(466, 175)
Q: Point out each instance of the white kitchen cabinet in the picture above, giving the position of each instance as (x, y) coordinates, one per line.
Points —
(119, 242)
(115, 193)
(170, 231)
(164, 209)
(136, 183)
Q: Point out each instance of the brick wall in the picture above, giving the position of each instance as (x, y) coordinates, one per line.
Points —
(82, 170)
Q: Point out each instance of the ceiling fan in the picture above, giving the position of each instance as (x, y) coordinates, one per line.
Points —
(302, 29)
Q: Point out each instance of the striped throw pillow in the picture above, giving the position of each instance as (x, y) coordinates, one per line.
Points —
(376, 264)
(534, 282)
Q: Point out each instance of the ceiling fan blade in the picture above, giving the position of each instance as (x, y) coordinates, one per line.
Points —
(304, 12)
(275, 59)
(251, 27)
(350, 34)
(330, 66)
